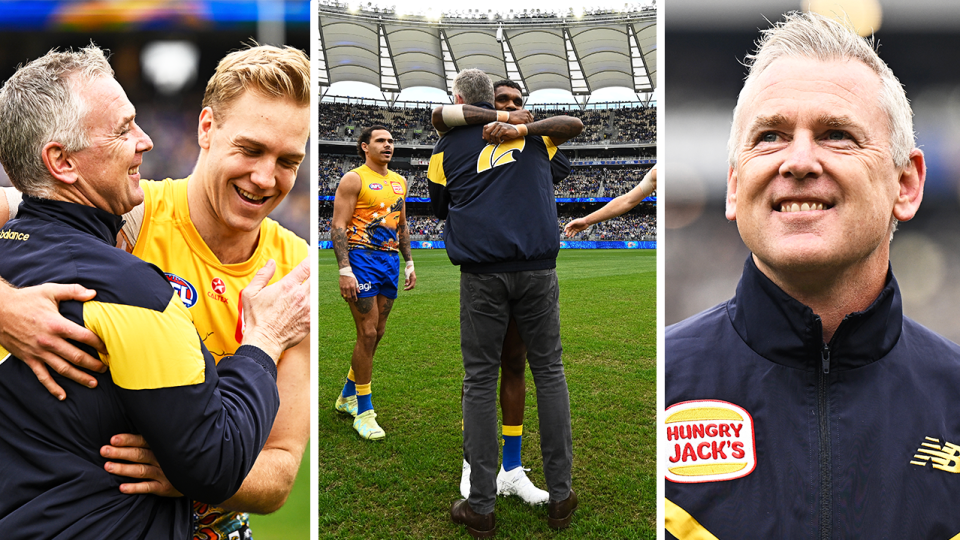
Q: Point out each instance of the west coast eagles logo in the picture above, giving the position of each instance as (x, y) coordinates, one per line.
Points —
(708, 441)
(495, 155)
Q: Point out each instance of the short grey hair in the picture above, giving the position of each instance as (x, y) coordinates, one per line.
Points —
(474, 86)
(40, 104)
(810, 35)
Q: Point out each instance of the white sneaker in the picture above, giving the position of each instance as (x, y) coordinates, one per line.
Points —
(515, 482)
(465, 480)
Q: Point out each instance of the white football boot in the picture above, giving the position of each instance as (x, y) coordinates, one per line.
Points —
(465, 480)
(515, 482)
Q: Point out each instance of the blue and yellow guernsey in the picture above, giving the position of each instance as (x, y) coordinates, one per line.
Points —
(377, 212)
(205, 422)
(211, 290)
(498, 200)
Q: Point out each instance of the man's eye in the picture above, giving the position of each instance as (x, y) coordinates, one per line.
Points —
(837, 135)
(768, 137)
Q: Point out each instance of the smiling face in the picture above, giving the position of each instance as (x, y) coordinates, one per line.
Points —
(108, 168)
(815, 187)
(250, 154)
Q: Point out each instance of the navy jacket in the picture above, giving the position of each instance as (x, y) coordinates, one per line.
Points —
(206, 423)
(498, 200)
(772, 434)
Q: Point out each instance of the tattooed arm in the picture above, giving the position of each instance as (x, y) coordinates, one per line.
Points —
(403, 235)
(560, 129)
(344, 203)
(478, 115)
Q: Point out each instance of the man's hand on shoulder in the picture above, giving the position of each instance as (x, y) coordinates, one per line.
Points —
(32, 328)
(277, 317)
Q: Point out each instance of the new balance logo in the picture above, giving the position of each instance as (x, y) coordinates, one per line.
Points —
(495, 155)
(945, 458)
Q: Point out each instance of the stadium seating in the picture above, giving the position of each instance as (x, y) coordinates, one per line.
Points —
(631, 129)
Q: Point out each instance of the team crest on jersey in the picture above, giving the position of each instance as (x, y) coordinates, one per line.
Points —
(397, 188)
(946, 457)
(708, 441)
(495, 155)
(185, 290)
(375, 186)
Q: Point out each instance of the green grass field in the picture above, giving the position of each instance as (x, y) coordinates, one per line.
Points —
(402, 487)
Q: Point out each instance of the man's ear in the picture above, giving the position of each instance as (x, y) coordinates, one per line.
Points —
(910, 187)
(60, 163)
(731, 212)
(205, 128)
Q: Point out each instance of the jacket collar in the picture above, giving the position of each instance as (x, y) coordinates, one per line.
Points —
(781, 329)
(88, 219)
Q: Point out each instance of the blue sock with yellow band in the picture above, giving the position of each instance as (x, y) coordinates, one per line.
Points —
(364, 398)
(350, 388)
(512, 437)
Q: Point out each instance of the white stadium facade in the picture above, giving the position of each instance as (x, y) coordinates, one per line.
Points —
(571, 57)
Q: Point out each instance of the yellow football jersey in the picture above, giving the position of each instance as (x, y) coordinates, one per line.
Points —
(375, 219)
(209, 288)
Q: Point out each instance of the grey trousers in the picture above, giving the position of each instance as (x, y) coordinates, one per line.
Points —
(486, 303)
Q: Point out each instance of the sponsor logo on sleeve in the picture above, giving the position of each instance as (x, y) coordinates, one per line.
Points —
(184, 289)
(708, 441)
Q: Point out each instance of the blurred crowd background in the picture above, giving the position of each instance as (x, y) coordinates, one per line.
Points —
(624, 127)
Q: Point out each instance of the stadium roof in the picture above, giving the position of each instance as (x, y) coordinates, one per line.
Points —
(577, 54)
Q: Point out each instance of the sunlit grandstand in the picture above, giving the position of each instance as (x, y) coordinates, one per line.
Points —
(566, 60)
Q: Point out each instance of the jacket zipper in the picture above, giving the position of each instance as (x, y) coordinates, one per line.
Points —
(823, 410)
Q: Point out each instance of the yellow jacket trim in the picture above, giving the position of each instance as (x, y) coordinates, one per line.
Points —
(435, 172)
(682, 525)
(148, 349)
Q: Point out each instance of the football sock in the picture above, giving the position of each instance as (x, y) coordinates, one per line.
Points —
(364, 398)
(512, 436)
(350, 388)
